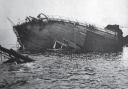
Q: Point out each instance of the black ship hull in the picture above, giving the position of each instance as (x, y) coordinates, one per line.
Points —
(41, 34)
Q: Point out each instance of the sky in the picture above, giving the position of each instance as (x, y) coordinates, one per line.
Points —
(98, 12)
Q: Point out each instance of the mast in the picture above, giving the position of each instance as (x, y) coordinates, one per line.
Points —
(12, 23)
(14, 29)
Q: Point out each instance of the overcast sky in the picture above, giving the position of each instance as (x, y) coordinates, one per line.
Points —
(99, 12)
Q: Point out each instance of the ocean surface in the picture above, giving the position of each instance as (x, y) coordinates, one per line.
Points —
(74, 71)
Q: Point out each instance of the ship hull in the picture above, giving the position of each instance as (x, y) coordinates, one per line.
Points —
(98, 43)
(38, 37)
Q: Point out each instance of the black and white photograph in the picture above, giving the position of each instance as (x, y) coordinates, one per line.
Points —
(63, 44)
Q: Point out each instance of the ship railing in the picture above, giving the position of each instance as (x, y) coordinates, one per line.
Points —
(100, 31)
(76, 23)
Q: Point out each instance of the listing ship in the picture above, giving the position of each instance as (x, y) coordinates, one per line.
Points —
(43, 33)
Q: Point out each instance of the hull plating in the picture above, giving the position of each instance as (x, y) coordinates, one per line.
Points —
(39, 36)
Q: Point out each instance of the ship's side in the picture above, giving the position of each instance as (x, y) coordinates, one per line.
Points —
(101, 43)
(34, 36)
(41, 34)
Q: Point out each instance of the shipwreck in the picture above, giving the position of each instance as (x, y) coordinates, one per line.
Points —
(43, 33)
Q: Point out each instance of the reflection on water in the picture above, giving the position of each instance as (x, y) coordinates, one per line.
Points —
(124, 58)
